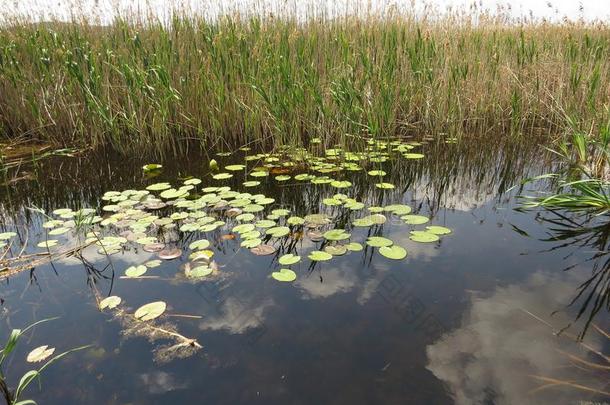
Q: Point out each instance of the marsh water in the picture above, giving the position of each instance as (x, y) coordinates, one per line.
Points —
(470, 319)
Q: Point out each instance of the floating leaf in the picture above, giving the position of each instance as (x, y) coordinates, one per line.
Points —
(413, 155)
(40, 354)
(289, 259)
(110, 302)
(159, 186)
(295, 221)
(151, 167)
(354, 247)
(423, 236)
(150, 311)
(252, 183)
(222, 176)
(438, 230)
(377, 173)
(318, 256)
(282, 178)
(243, 228)
(336, 250)
(47, 243)
(384, 186)
(57, 231)
(378, 241)
(251, 243)
(199, 244)
(341, 184)
(263, 250)
(235, 168)
(336, 234)
(169, 254)
(278, 231)
(265, 223)
(414, 219)
(285, 275)
(259, 173)
(153, 263)
(393, 252)
(253, 208)
(8, 235)
(135, 271)
(199, 271)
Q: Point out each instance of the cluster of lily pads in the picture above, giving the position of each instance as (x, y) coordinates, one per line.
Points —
(162, 214)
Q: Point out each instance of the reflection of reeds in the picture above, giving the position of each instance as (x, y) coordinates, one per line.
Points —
(238, 80)
(600, 369)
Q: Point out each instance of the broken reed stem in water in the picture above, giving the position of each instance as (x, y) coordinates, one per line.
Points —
(9, 266)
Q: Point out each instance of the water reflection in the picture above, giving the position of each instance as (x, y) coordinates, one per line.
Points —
(508, 352)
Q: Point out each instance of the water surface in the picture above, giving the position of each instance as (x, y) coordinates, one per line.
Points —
(469, 319)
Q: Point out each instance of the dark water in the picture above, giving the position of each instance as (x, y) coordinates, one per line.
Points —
(467, 320)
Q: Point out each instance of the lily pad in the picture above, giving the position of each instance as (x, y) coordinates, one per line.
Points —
(151, 167)
(378, 241)
(393, 252)
(278, 231)
(169, 254)
(39, 354)
(438, 230)
(251, 243)
(423, 236)
(199, 244)
(414, 219)
(150, 311)
(384, 186)
(47, 243)
(235, 168)
(222, 176)
(336, 250)
(354, 247)
(289, 259)
(252, 183)
(285, 275)
(199, 271)
(7, 235)
(110, 302)
(336, 234)
(263, 250)
(135, 271)
(318, 256)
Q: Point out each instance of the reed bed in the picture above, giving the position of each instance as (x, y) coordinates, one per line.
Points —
(276, 81)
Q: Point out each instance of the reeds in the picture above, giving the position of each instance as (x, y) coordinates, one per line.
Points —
(242, 80)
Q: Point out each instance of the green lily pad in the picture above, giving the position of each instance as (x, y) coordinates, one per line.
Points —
(151, 167)
(289, 259)
(336, 250)
(354, 247)
(336, 234)
(414, 219)
(243, 228)
(199, 244)
(235, 168)
(150, 311)
(199, 271)
(58, 231)
(110, 302)
(7, 235)
(319, 256)
(341, 184)
(413, 155)
(393, 252)
(253, 208)
(282, 178)
(251, 243)
(278, 231)
(46, 244)
(135, 271)
(221, 176)
(295, 221)
(384, 186)
(265, 223)
(378, 241)
(438, 230)
(252, 183)
(423, 236)
(285, 275)
(259, 173)
(377, 173)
